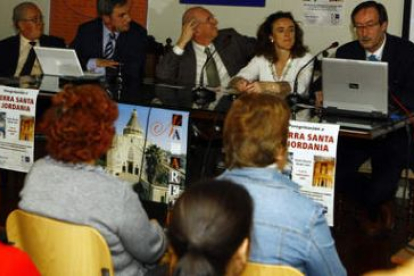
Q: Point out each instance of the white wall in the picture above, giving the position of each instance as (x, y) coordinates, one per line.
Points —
(6, 13)
(164, 20)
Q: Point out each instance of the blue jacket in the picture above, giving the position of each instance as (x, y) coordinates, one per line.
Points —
(289, 228)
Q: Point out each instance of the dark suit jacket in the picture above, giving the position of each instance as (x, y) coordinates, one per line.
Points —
(130, 50)
(399, 54)
(234, 49)
(10, 48)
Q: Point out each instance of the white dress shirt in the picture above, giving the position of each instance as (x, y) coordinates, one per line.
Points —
(23, 54)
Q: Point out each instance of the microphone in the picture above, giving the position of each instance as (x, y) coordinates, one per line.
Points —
(294, 98)
(201, 94)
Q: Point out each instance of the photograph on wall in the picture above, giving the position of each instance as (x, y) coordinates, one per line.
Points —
(247, 3)
(312, 161)
(149, 150)
(17, 127)
(323, 12)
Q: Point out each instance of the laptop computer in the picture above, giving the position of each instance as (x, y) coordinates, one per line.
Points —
(355, 87)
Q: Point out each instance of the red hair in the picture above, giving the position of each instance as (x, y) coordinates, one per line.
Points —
(79, 126)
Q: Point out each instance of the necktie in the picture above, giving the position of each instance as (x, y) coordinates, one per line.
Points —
(28, 65)
(372, 58)
(213, 79)
(109, 47)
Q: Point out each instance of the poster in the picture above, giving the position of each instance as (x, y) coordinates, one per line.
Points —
(17, 128)
(150, 150)
(312, 161)
(323, 12)
(249, 3)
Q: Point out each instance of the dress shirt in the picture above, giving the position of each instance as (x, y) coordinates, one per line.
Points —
(23, 54)
(91, 65)
(377, 53)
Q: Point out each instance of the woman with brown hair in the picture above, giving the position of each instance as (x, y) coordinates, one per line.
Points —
(279, 56)
(288, 227)
(68, 185)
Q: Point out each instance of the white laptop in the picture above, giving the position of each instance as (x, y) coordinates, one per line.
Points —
(355, 87)
(60, 62)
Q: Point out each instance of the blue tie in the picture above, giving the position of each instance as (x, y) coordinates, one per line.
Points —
(373, 58)
(109, 47)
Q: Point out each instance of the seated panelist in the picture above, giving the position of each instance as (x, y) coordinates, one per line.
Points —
(279, 56)
(199, 39)
(17, 56)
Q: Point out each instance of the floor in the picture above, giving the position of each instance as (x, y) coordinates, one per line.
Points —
(358, 252)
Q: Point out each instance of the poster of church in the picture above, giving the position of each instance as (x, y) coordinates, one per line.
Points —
(149, 150)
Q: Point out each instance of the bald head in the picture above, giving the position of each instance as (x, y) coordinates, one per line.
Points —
(206, 24)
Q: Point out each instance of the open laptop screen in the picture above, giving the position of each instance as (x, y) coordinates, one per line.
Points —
(58, 62)
(356, 87)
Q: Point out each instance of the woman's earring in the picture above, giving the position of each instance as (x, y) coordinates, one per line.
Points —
(271, 40)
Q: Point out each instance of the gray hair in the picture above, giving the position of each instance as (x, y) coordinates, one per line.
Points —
(19, 10)
(106, 7)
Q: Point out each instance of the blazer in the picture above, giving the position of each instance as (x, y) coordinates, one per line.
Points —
(398, 54)
(234, 49)
(10, 50)
(130, 50)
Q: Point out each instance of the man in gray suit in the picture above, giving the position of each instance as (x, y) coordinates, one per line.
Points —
(184, 64)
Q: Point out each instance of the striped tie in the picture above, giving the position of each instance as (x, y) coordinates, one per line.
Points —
(109, 47)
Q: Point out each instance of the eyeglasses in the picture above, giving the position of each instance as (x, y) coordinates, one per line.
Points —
(366, 26)
(34, 20)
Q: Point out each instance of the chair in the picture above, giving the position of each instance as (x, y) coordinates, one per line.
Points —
(258, 269)
(59, 248)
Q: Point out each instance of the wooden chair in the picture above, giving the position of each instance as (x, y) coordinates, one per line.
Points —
(257, 269)
(60, 248)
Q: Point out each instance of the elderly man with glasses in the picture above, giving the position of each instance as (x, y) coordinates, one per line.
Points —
(17, 57)
(199, 39)
(389, 153)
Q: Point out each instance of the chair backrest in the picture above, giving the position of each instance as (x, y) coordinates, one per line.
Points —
(258, 269)
(59, 248)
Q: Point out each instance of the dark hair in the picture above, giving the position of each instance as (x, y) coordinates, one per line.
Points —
(79, 126)
(209, 223)
(19, 10)
(106, 7)
(266, 48)
(382, 12)
(255, 130)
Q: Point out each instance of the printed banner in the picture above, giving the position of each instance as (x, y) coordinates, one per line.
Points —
(312, 161)
(150, 150)
(248, 3)
(17, 127)
(323, 12)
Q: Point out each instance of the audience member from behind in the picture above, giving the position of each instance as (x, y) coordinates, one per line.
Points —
(289, 228)
(210, 228)
(17, 58)
(279, 56)
(68, 185)
(15, 262)
(230, 52)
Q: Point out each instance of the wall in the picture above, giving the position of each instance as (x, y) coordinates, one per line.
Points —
(164, 20)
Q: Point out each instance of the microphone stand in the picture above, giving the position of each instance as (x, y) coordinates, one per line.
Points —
(294, 98)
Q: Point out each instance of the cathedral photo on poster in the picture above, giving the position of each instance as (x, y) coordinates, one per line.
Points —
(149, 149)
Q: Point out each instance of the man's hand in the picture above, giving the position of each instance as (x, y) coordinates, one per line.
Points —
(187, 33)
(106, 63)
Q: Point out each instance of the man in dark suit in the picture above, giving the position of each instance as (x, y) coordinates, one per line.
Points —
(184, 63)
(389, 153)
(15, 51)
(113, 41)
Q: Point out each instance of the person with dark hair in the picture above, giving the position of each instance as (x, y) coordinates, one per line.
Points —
(200, 38)
(67, 185)
(289, 228)
(113, 40)
(388, 153)
(16, 262)
(17, 56)
(210, 228)
(279, 56)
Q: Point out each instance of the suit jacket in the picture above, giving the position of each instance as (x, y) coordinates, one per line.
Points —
(399, 55)
(10, 50)
(130, 50)
(234, 49)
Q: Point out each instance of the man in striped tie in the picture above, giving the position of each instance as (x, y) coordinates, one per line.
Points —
(111, 40)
